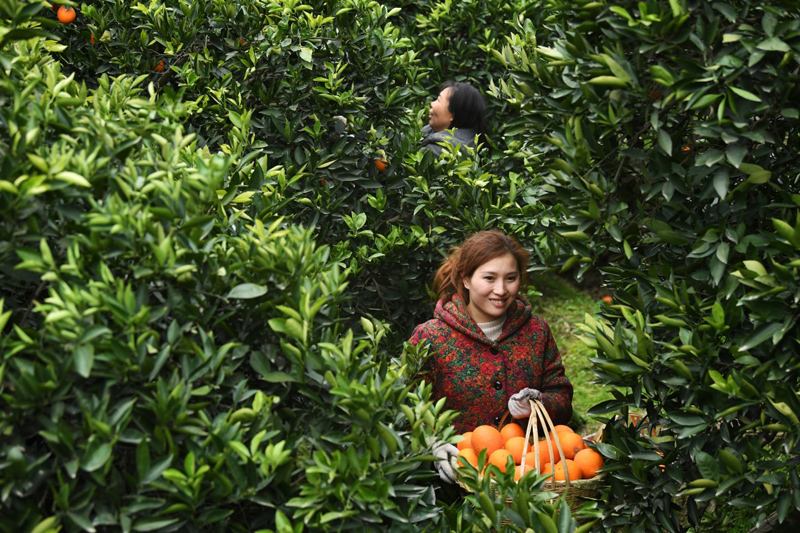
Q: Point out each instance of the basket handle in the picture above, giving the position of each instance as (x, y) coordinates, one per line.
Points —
(538, 411)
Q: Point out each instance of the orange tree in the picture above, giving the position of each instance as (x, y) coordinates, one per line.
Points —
(668, 132)
(181, 350)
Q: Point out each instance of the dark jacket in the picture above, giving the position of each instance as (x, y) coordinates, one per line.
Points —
(477, 375)
(465, 137)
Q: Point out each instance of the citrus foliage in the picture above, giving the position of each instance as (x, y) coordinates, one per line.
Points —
(669, 132)
(189, 257)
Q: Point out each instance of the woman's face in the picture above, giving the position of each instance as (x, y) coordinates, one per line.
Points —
(492, 288)
(439, 117)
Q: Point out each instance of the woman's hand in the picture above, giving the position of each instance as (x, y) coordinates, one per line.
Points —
(519, 404)
(444, 452)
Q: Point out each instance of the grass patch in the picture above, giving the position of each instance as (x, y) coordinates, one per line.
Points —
(563, 306)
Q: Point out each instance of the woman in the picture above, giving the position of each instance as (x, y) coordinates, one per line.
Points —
(455, 118)
(488, 352)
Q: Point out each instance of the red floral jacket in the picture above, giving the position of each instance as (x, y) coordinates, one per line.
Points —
(477, 375)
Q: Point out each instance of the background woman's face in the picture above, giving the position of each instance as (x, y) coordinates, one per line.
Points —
(440, 117)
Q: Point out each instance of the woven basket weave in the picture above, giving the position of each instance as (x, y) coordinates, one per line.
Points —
(574, 491)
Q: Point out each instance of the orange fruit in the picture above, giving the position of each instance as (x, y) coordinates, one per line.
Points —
(511, 430)
(544, 453)
(381, 164)
(486, 438)
(571, 443)
(607, 299)
(518, 471)
(589, 461)
(91, 39)
(66, 14)
(573, 470)
(517, 446)
(561, 428)
(467, 442)
(468, 455)
(548, 468)
(160, 66)
(499, 458)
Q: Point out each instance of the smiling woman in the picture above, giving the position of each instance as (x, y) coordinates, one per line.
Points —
(487, 352)
(457, 116)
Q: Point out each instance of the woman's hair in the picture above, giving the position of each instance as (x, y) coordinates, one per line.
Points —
(467, 106)
(462, 261)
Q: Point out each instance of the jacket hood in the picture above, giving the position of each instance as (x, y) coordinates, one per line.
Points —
(453, 312)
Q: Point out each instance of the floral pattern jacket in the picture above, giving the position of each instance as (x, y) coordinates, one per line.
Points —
(478, 375)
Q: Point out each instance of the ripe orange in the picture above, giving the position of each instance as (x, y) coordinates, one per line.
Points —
(91, 39)
(573, 470)
(66, 14)
(159, 67)
(589, 461)
(499, 458)
(467, 442)
(571, 443)
(486, 438)
(468, 455)
(544, 453)
(517, 446)
(511, 430)
(548, 468)
(381, 164)
(561, 428)
(607, 299)
(518, 470)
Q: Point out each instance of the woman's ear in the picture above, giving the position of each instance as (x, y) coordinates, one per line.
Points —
(466, 283)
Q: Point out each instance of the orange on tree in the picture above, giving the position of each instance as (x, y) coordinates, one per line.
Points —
(511, 430)
(589, 461)
(499, 458)
(381, 164)
(66, 14)
(518, 446)
(468, 455)
(486, 438)
(573, 470)
(91, 39)
(571, 443)
(159, 67)
(467, 442)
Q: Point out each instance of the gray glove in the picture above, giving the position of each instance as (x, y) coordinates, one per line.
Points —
(444, 452)
(519, 405)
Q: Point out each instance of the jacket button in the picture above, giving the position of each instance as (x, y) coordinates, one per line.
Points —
(494, 351)
(497, 420)
(498, 385)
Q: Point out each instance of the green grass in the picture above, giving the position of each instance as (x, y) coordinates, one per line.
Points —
(563, 306)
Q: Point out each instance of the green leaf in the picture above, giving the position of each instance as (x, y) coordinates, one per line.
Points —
(735, 154)
(707, 465)
(247, 291)
(96, 456)
(152, 524)
(665, 141)
(747, 95)
(773, 44)
(84, 359)
(761, 334)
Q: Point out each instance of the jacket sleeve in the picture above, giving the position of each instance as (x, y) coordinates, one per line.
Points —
(556, 388)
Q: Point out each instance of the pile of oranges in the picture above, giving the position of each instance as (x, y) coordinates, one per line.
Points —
(580, 461)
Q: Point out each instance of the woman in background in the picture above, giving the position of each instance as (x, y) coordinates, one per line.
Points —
(456, 117)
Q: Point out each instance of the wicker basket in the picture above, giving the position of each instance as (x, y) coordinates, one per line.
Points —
(575, 492)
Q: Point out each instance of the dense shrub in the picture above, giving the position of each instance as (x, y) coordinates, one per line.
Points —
(184, 341)
(668, 132)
